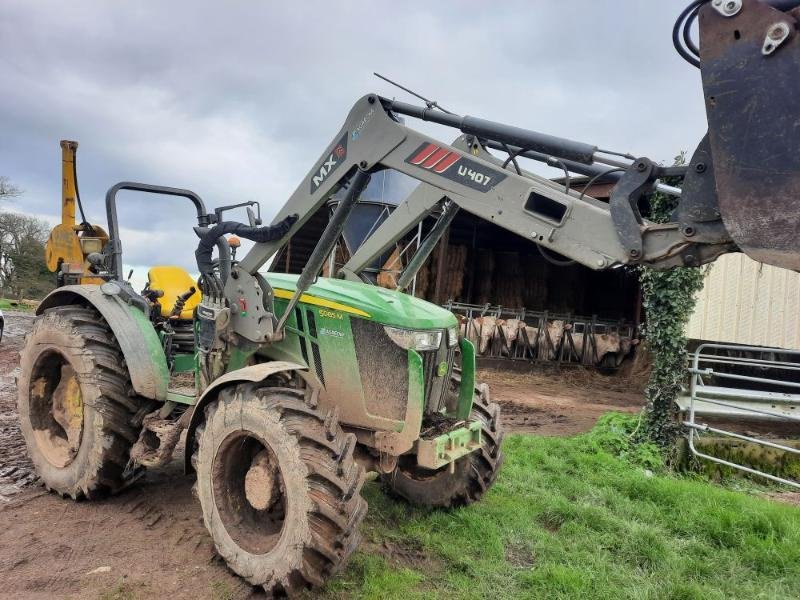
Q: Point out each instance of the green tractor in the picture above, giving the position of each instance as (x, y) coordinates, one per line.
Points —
(287, 388)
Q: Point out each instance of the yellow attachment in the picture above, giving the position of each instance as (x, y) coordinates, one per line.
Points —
(234, 242)
(69, 245)
(173, 281)
(69, 184)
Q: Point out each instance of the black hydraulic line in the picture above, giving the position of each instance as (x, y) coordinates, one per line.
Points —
(619, 171)
(260, 235)
(224, 252)
(427, 246)
(501, 132)
(327, 241)
(683, 21)
(84, 222)
(552, 161)
(554, 261)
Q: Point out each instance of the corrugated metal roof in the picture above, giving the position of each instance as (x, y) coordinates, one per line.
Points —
(746, 302)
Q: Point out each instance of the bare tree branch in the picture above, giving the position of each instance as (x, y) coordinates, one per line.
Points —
(8, 189)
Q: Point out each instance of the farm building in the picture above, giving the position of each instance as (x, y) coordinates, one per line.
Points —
(749, 303)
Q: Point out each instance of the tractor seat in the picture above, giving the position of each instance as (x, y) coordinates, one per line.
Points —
(173, 281)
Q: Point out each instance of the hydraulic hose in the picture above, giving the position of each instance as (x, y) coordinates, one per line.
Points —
(259, 235)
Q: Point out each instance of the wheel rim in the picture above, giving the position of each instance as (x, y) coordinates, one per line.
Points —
(249, 492)
(56, 408)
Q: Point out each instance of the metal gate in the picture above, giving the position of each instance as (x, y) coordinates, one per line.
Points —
(545, 337)
(742, 383)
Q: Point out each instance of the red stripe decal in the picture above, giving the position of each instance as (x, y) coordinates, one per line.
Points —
(440, 154)
(424, 153)
(446, 163)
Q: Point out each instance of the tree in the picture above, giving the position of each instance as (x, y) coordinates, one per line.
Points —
(669, 297)
(23, 272)
(8, 189)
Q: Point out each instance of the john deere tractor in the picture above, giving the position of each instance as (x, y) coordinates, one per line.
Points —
(287, 388)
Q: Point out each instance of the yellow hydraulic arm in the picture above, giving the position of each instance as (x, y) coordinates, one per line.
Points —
(70, 243)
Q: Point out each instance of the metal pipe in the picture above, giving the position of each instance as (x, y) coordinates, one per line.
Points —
(427, 246)
(589, 170)
(509, 134)
(111, 214)
(326, 242)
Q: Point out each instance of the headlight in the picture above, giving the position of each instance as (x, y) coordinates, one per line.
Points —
(452, 336)
(414, 340)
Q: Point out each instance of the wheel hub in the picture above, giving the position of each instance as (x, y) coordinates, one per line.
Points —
(260, 482)
(57, 410)
(249, 492)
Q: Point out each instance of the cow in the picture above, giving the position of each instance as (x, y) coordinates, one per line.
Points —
(611, 348)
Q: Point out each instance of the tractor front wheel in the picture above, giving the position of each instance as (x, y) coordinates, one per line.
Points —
(279, 487)
(471, 476)
(75, 403)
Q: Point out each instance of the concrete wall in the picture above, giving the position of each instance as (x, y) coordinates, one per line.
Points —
(745, 302)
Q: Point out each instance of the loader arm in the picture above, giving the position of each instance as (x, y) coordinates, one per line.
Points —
(580, 228)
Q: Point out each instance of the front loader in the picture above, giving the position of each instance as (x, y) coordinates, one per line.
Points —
(289, 387)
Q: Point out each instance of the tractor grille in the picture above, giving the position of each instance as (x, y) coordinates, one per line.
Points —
(384, 371)
(435, 386)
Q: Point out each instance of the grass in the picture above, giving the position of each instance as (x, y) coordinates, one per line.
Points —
(24, 306)
(584, 517)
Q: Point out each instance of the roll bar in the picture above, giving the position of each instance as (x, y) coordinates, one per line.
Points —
(114, 248)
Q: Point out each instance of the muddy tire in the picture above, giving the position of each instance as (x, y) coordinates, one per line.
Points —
(279, 487)
(75, 403)
(473, 475)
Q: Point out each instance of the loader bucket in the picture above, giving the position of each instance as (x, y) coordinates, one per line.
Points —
(750, 66)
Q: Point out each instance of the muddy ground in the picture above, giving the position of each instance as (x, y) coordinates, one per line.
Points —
(150, 541)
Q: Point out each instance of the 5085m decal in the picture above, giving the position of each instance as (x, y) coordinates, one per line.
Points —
(455, 166)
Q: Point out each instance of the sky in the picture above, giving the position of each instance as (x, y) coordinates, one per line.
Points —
(237, 100)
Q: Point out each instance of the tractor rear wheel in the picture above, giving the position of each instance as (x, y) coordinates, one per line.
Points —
(75, 403)
(279, 487)
(472, 475)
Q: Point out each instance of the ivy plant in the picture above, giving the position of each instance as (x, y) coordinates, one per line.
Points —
(669, 298)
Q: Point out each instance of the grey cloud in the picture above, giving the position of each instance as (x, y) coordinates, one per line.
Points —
(236, 100)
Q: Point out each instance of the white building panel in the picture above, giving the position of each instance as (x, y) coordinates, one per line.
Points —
(745, 302)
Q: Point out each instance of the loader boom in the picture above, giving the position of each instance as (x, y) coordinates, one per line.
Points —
(740, 190)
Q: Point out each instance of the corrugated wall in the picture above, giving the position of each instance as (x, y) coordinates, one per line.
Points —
(745, 302)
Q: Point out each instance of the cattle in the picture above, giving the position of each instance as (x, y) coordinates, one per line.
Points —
(480, 331)
(611, 348)
(511, 337)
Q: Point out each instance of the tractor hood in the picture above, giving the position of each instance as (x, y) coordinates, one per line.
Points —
(378, 304)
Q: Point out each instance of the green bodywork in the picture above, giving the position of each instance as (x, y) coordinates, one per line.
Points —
(333, 304)
(320, 331)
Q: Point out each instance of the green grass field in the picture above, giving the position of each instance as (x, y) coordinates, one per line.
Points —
(583, 517)
(6, 304)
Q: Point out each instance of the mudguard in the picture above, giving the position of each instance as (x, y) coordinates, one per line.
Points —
(138, 340)
(253, 373)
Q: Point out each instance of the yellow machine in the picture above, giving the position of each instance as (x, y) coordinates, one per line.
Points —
(70, 243)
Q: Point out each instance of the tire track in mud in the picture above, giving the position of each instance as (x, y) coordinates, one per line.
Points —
(518, 418)
(16, 470)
